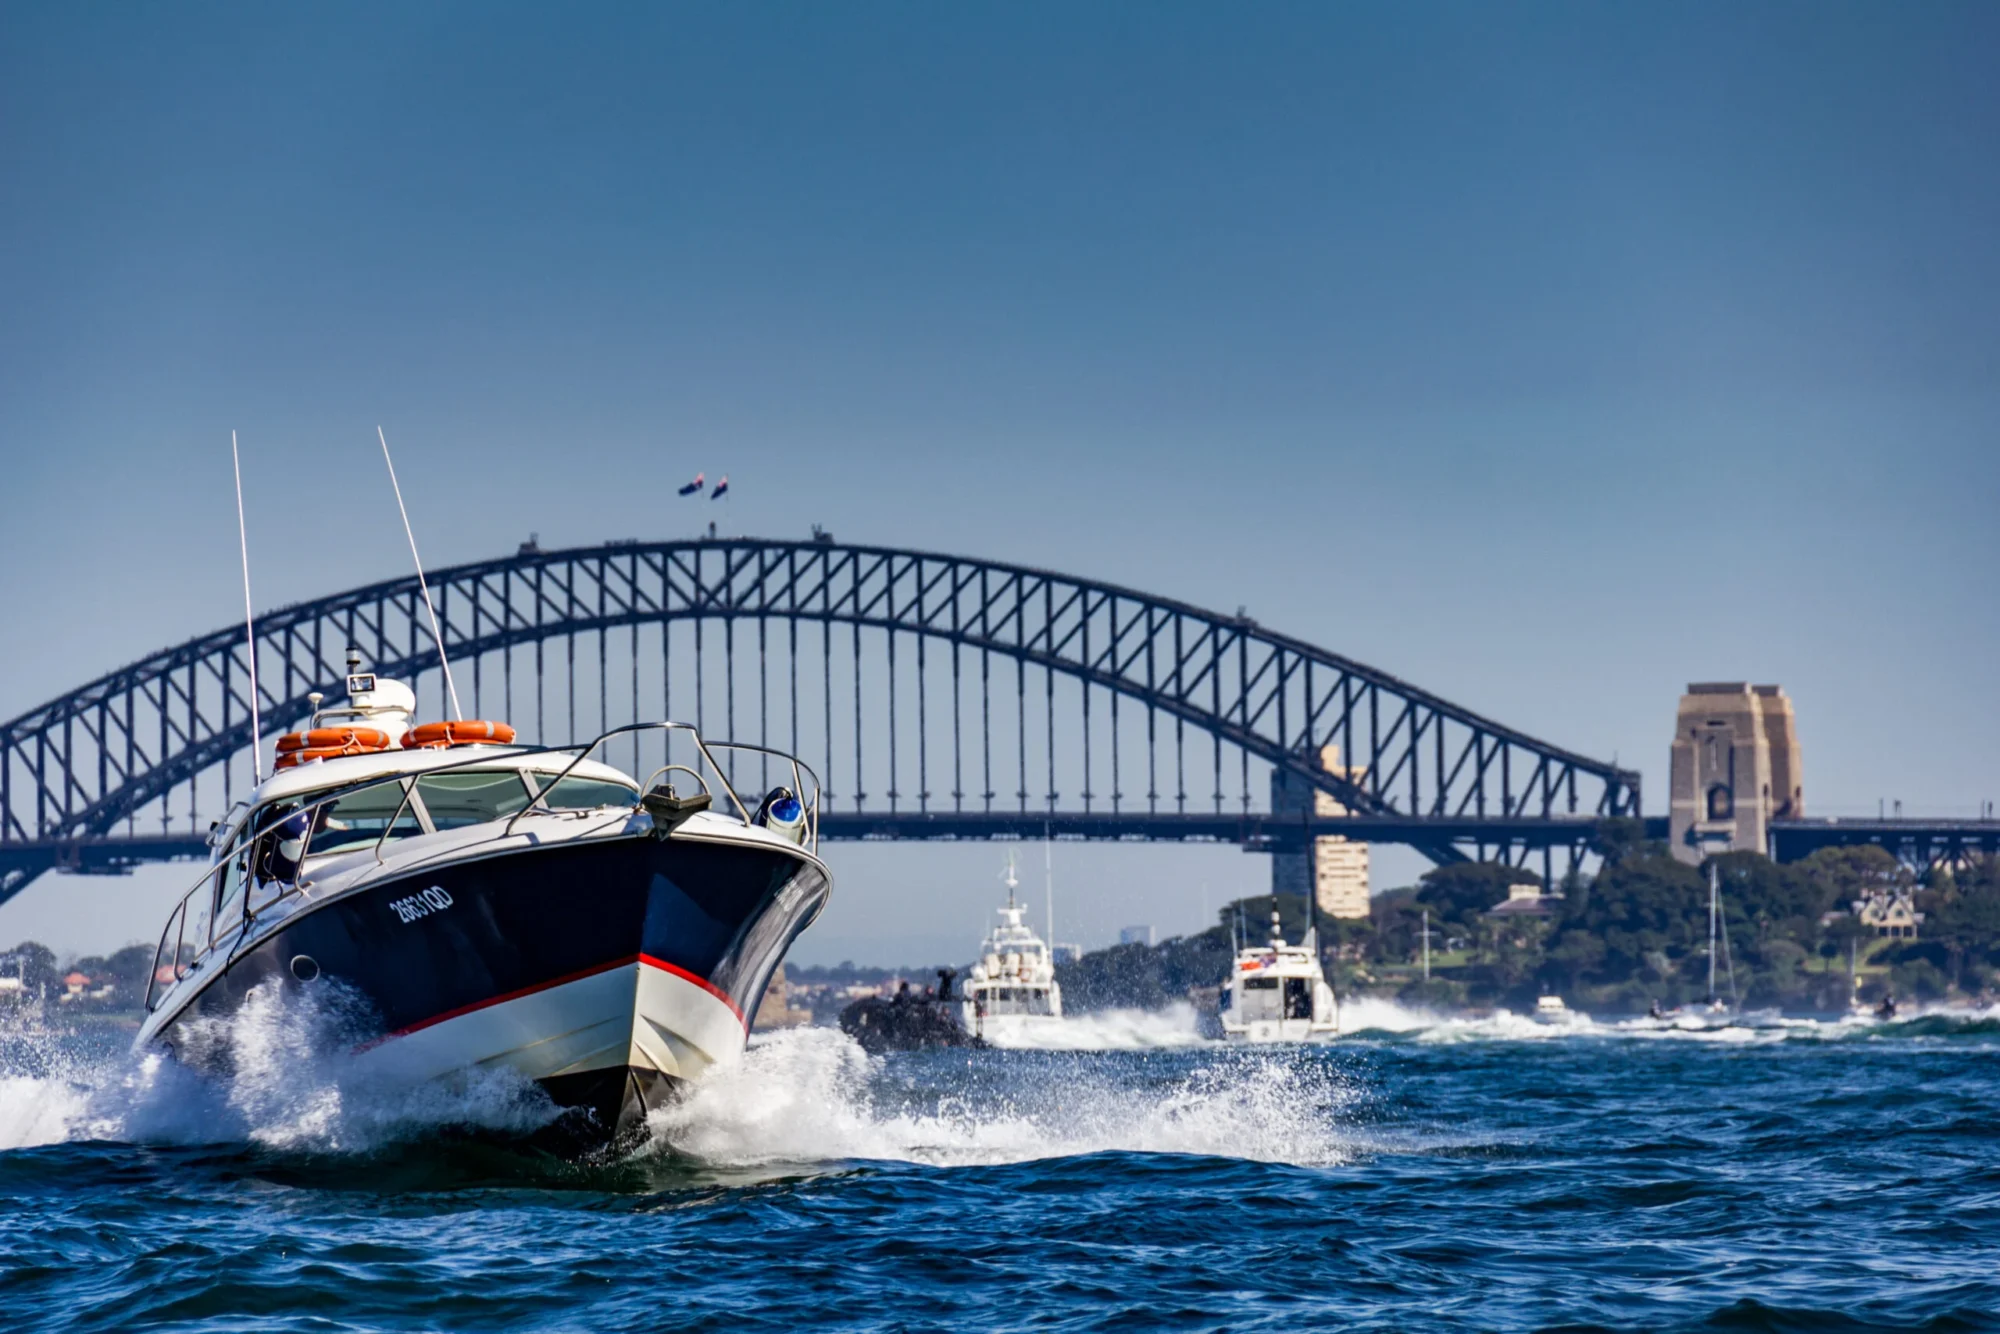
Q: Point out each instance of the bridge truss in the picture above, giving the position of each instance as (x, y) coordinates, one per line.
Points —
(941, 696)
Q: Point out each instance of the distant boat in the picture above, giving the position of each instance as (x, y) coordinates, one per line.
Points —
(1277, 992)
(1012, 989)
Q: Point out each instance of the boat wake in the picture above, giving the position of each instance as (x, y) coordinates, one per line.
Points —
(812, 1097)
(804, 1098)
(1104, 1030)
(1366, 1018)
(807, 1098)
(293, 1082)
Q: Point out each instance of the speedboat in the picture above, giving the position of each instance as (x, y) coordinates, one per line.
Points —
(1011, 992)
(1277, 992)
(481, 906)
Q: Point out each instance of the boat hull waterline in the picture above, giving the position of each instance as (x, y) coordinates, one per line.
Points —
(608, 971)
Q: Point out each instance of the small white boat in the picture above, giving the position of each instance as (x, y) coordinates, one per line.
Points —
(1277, 993)
(1552, 1010)
(1012, 991)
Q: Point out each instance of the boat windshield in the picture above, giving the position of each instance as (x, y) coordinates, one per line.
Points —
(585, 794)
(471, 796)
(382, 812)
(456, 799)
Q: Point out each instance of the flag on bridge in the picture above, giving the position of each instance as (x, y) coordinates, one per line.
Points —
(720, 487)
(695, 486)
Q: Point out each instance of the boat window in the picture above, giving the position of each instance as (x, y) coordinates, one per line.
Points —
(219, 832)
(1298, 998)
(584, 794)
(1260, 984)
(359, 820)
(278, 851)
(229, 887)
(470, 797)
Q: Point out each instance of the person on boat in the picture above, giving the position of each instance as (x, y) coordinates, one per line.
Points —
(1654, 1011)
(1887, 1009)
(285, 849)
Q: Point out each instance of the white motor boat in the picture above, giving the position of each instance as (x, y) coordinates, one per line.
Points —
(1277, 992)
(1012, 990)
(484, 906)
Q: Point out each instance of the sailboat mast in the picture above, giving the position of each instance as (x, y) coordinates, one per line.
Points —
(1712, 890)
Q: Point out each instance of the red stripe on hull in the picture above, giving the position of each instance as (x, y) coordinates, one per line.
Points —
(553, 982)
(701, 982)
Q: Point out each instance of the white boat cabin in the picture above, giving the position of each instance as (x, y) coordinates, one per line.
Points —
(1015, 976)
(1277, 992)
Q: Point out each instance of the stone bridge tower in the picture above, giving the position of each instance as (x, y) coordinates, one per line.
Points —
(1735, 769)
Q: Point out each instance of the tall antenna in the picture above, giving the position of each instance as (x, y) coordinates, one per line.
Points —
(437, 635)
(249, 625)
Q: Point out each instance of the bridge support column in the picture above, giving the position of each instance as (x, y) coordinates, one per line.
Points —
(1334, 872)
(1735, 769)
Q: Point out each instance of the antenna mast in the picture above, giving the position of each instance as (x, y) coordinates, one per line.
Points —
(423, 584)
(249, 624)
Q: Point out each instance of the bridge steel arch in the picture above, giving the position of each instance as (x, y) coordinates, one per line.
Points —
(84, 777)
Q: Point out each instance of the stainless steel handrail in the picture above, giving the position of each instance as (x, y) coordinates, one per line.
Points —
(665, 725)
(666, 769)
(798, 783)
(207, 880)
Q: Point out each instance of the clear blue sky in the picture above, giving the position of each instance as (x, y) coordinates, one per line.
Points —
(1550, 356)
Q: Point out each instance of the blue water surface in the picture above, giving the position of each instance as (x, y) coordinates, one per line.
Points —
(1787, 1178)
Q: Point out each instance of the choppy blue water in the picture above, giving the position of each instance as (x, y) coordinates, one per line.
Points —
(1457, 1176)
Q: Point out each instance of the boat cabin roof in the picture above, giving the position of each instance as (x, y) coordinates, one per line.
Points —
(319, 775)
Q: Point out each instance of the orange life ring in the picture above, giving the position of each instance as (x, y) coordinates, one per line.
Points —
(464, 732)
(334, 738)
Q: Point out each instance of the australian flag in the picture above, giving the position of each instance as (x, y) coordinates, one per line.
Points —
(694, 487)
(720, 488)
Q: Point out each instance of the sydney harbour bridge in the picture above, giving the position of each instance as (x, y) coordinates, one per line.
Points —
(940, 697)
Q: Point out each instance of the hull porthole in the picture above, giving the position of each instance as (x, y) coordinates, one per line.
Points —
(304, 967)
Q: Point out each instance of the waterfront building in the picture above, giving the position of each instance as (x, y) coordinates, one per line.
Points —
(1735, 769)
(1526, 901)
(1889, 912)
(1135, 935)
(1335, 871)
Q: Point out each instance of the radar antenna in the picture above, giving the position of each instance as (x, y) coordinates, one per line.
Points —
(423, 584)
(249, 624)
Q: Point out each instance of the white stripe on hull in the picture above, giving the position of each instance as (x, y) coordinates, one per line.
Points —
(633, 1015)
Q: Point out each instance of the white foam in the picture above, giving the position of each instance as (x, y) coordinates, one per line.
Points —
(811, 1096)
(37, 1110)
(1363, 1014)
(1106, 1030)
(293, 1082)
